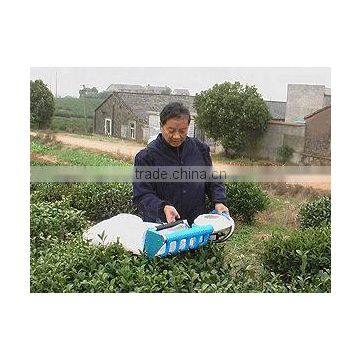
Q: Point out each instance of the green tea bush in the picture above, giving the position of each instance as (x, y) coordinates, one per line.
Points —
(99, 201)
(303, 255)
(321, 282)
(102, 201)
(316, 213)
(284, 154)
(80, 267)
(246, 199)
(49, 192)
(55, 221)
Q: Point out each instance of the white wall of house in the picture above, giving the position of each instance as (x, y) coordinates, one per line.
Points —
(191, 132)
(154, 125)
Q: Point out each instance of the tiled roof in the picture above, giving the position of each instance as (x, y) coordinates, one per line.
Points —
(142, 104)
(317, 111)
(181, 92)
(137, 88)
(125, 87)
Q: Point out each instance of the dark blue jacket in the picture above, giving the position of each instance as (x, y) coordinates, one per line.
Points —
(187, 198)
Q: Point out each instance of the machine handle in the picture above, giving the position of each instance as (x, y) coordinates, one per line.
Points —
(169, 225)
(223, 213)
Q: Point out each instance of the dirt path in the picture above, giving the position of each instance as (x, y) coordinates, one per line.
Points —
(129, 149)
(116, 146)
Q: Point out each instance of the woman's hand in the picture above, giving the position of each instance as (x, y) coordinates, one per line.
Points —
(220, 208)
(171, 213)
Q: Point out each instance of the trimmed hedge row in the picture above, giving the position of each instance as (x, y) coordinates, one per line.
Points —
(297, 262)
(79, 267)
(61, 212)
(102, 201)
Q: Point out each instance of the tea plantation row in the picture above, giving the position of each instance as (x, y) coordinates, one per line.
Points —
(62, 262)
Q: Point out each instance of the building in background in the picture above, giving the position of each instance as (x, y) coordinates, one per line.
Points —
(133, 112)
(136, 116)
(139, 89)
(317, 147)
(181, 92)
(303, 100)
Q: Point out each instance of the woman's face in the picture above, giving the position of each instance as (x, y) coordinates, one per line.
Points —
(175, 130)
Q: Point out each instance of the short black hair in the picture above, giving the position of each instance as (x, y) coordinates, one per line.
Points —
(174, 110)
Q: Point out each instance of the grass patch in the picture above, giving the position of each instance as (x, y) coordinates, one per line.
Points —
(294, 191)
(71, 156)
(242, 160)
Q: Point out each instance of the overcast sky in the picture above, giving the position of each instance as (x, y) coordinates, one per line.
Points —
(271, 82)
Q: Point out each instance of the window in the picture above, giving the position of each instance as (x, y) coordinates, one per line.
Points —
(132, 130)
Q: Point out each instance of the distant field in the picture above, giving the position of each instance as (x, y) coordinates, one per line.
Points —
(71, 107)
(69, 115)
(72, 125)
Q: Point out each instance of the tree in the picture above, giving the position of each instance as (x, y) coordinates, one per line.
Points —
(42, 105)
(234, 114)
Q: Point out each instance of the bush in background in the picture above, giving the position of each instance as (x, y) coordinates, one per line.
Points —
(316, 213)
(284, 153)
(42, 105)
(230, 106)
(245, 200)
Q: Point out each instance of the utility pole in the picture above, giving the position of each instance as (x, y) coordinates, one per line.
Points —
(84, 98)
(56, 94)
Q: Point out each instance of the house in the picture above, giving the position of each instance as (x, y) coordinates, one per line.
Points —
(303, 99)
(317, 147)
(181, 92)
(136, 116)
(125, 88)
(277, 110)
(292, 127)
